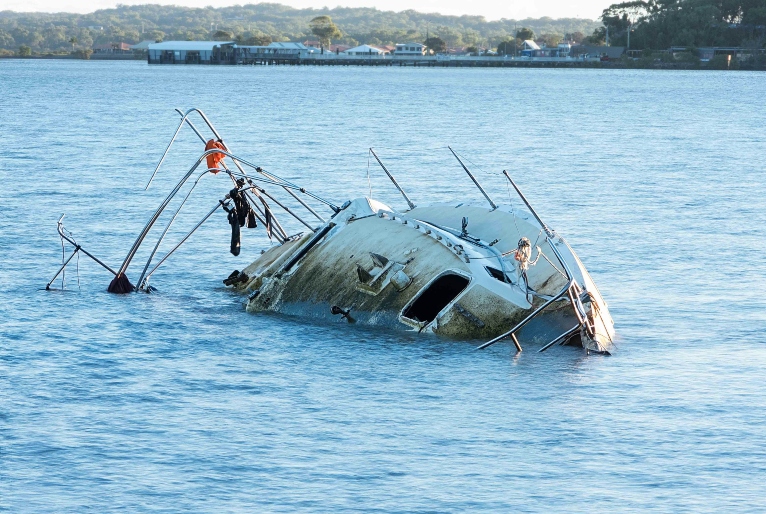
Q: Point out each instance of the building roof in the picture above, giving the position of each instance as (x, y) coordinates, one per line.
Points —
(202, 46)
(365, 49)
(531, 44)
(143, 45)
(410, 44)
(292, 46)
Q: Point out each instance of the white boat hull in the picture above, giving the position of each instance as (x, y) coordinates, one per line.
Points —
(415, 271)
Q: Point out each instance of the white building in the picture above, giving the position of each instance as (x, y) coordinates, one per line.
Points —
(365, 50)
(410, 49)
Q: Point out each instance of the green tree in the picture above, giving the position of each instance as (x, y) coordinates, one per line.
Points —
(223, 35)
(73, 40)
(259, 40)
(575, 37)
(324, 29)
(156, 35)
(506, 48)
(551, 39)
(525, 34)
(25, 51)
(598, 37)
(436, 44)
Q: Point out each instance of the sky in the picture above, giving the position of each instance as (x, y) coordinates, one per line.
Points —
(490, 9)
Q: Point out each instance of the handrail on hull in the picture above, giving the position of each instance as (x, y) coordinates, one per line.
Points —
(571, 284)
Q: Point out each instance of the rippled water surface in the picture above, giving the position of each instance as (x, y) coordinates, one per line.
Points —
(181, 401)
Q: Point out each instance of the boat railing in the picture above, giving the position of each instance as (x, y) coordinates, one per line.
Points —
(262, 213)
(573, 291)
(270, 180)
(281, 182)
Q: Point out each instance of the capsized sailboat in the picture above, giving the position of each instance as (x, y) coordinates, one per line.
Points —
(494, 272)
(451, 270)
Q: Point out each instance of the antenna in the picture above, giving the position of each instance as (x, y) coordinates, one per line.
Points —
(474, 180)
(409, 202)
(524, 199)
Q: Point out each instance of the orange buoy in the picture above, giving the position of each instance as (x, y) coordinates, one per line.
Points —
(214, 159)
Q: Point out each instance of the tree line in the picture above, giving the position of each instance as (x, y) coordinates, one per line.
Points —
(661, 24)
(261, 24)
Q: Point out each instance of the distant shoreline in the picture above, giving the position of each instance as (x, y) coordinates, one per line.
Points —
(483, 63)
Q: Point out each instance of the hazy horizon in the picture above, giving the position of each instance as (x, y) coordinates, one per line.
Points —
(490, 9)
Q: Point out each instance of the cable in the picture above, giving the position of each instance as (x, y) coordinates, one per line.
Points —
(369, 182)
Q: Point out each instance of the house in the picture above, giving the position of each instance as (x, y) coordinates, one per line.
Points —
(113, 48)
(563, 50)
(312, 44)
(365, 50)
(189, 52)
(410, 49)
(528, 44)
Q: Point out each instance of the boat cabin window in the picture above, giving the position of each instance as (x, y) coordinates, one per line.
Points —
(436, 297)
(496, 273)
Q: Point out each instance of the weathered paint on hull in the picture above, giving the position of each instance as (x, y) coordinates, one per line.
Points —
(359, 264)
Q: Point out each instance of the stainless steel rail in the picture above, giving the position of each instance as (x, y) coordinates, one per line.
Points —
(167, 227)
(526, 320)
(182, 241)
(77, 248)
(571, 284)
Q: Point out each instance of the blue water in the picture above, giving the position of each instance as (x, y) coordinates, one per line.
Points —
(181, 401)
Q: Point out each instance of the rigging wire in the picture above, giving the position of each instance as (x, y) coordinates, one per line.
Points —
(369, 182)
(63, 255)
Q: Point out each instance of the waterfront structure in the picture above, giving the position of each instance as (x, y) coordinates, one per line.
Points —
(707, 53)
(365, 50)
(410, 49)
(189, 52)
(562, 50)
(274, 52)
